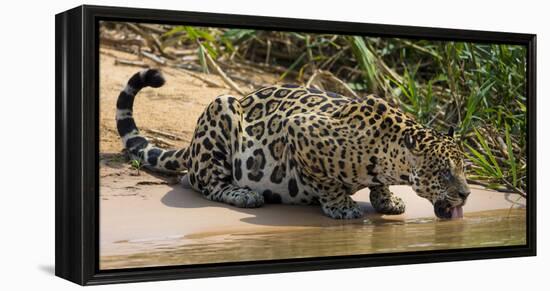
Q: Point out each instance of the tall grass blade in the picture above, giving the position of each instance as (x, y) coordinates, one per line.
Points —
(366, 61)
(511, 158)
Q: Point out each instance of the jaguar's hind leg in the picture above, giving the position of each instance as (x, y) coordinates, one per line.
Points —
(211, 167)
(384, 201)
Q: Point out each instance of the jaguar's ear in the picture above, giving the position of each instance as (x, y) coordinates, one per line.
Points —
(451, 132)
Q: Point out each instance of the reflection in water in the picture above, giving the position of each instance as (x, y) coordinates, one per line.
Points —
(481, 229)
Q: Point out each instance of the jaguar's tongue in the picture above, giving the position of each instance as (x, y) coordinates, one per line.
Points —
(456, 212)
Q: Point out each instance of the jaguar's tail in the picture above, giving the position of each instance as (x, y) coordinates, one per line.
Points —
(137, 146)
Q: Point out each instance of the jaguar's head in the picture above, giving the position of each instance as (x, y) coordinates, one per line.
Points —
(437, 172)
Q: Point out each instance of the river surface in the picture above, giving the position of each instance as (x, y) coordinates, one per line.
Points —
(479, 229)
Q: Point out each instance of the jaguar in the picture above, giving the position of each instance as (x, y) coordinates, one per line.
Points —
(295, 145)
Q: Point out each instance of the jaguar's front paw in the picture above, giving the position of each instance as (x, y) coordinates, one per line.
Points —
(393, 205)
(348, 209)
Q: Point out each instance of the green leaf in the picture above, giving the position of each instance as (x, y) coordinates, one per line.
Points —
(202, 59)
(238, 34)
(210, 50)
(480, 160)
(175, 30)
(366, 60)
(489, 154)
(472, 104)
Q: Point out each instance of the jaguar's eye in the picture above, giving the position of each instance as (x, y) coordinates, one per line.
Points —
(445, 173)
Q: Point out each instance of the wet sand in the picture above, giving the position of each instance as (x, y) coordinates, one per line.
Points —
(137, 212)
(477, 229)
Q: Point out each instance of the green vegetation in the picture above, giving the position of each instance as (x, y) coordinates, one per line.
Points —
(136, 165)
(479, 89)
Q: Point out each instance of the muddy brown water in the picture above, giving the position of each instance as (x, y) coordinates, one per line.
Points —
(480, 229)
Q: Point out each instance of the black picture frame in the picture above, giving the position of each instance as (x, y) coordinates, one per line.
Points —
(77, 140)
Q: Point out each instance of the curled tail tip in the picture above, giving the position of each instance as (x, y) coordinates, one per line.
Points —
(125, 123)
(152, 78)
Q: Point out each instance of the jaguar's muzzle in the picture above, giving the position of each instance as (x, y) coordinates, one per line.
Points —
(444, 210)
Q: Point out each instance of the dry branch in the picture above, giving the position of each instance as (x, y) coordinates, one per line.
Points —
(222, 74)
(113, 42)
(239, 66)
(154, 57)
(146, 36)
(269, 68)
(246, 80)
(321, 76)
(152, 41)
(161, 141)
(131, 63)
(183, 52)
(163, 133)
(152, 27)
(487, 185)
(203, 79)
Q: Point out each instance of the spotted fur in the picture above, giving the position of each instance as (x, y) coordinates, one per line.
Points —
(295, 145)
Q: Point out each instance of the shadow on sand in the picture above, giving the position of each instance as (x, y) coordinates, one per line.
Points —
(267, 215)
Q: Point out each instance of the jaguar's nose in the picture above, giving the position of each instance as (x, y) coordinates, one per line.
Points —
(463, 194)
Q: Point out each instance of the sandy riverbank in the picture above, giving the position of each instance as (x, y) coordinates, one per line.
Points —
(141, 211)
